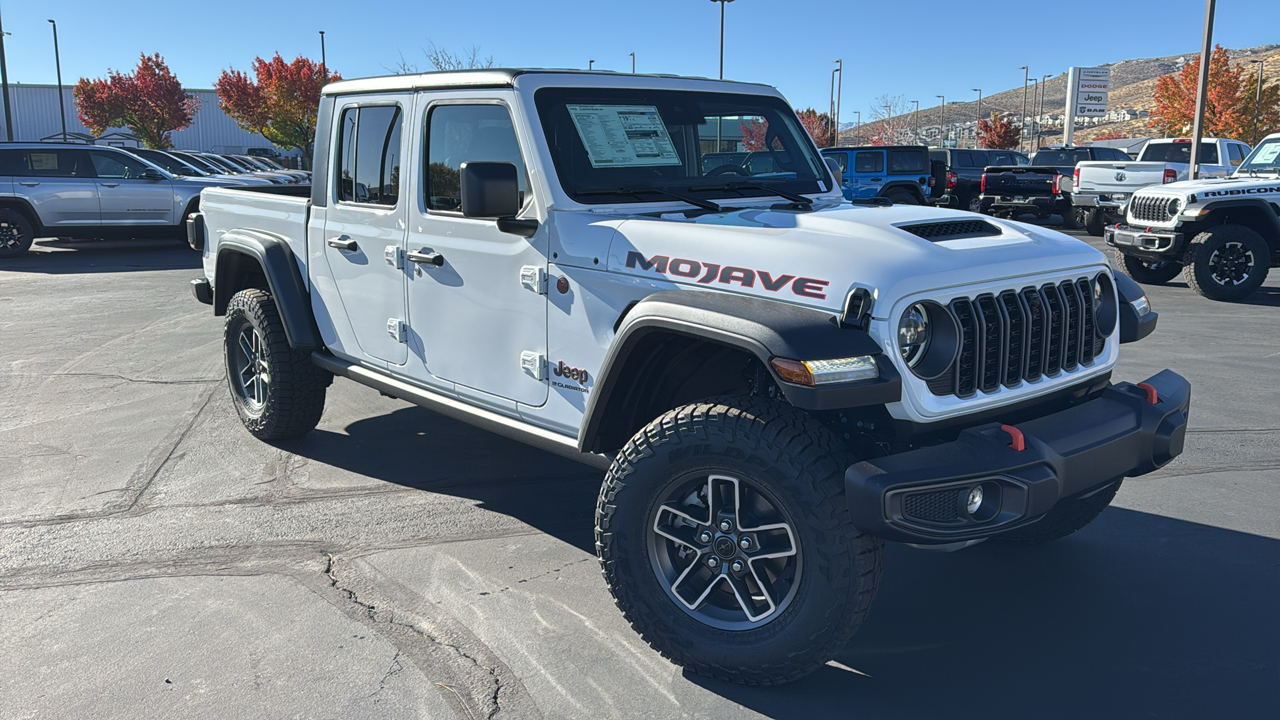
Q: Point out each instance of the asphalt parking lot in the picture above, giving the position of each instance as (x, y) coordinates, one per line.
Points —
(157, 561)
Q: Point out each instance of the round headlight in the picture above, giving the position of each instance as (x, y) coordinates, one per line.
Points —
(913, 334)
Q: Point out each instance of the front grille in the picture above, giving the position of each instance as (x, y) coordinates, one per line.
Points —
(1021, 335)
(937, 507)
(1152, 209)
(952, 229)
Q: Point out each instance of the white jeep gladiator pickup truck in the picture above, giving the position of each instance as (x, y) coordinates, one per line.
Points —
(774, 380)
(1223, 234)
(1102, 187)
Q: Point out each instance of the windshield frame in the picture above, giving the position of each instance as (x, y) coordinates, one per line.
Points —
(593, 184)
(1274, 167)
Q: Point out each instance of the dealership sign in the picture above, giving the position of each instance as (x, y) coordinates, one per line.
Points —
(1088, 90)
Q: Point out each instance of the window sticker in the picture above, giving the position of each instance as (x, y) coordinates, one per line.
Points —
(623, 135)
(1267, 154)
(44, 161)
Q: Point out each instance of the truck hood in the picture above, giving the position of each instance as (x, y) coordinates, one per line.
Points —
(816, 257)
(1236, 185)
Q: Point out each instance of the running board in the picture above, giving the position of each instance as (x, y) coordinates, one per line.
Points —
(552, 442)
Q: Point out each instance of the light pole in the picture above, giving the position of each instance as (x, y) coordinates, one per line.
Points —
(1044, 90)
(591, 64)
(857, 129)
(839, 95)
(324, 67)
(975, 127)
(4, 80)
(1256, 102)
(57, 59)
(915, 119)
(633, 63)
(1022, 121)
(1202, 90)
(831, 107)
(942, 125)
(722, 4)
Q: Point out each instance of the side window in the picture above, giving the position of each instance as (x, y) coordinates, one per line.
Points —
(115, 165)
(1209, 154)
(53, 163)
(1235, 149)
(868, 162)
(467, 133)
(963, 159)
(842, 159)
(368, 167)
(1001, 159)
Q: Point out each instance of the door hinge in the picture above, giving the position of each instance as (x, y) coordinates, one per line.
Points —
(534, 364)
(394, 256)
(534, 278)
(397, 329)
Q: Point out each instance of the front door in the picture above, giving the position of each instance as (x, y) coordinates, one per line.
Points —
(474, 317)
(364, 226)
(126, 198)
(59, 185)
(867, 175)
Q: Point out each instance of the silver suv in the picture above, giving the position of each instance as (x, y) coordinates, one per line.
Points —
(85, 191)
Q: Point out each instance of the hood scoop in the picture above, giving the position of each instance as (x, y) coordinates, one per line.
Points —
(951, 229)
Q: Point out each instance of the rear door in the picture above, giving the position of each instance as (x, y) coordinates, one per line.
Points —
(364, 227)
(866, 174)
(128, 200)
(60, 186)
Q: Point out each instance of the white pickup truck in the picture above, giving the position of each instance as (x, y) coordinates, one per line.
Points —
(1103, 187)
(774, 380)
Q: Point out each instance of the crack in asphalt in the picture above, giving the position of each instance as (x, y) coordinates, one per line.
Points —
(112, 376)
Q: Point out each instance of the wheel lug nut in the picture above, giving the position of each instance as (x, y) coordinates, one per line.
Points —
(737, 566)
(745, 543)
(713, 561)
(726, 525)
(704, 536)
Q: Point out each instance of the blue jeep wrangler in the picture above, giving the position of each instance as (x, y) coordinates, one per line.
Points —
(901, 173)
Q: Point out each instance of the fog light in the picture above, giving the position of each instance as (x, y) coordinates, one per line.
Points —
(974, 501)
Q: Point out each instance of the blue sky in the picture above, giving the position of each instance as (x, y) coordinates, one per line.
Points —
(919, 49)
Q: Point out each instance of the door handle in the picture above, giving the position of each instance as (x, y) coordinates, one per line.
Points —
(877, 179)
(426, 256)
(110, 184)
(342, 243)
(28, 183)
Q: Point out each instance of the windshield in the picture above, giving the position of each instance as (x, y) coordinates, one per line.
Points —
(200, 163)
(236, 163)
(607, 142)
(166, 161)
(220, 162)
(1264, 159)
(1178, 152)
(1059, 158)
(270, 163)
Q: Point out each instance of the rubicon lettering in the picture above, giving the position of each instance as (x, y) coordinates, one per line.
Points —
(1241, 191)
(707, 273)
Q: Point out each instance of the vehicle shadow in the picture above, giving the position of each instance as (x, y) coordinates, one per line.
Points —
(71, 257)
(1138, 615)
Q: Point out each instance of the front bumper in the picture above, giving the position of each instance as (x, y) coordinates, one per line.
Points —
(1107, 202)
(1033, 203)
(1150, 243)
(919, 496)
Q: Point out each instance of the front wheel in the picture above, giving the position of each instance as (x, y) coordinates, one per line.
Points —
(1227, 262)
(1093, 221)
(1147, 272)
(278, 392)
(16, 233)
(724, 537)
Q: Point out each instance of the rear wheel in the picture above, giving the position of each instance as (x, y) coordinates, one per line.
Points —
(16, 233)
(975, 204)
(724, 537)
(1064, 519)
(1227, 262)
(1071, 219)
(278, 392)
(1147, 272)
(1093, 221)
(902, 197)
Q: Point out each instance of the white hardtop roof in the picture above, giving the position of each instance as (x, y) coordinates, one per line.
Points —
(506, 77)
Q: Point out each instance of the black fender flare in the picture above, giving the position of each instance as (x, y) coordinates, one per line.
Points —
(910, 186)
(761, 327)
(273, 255)
(1269, 211)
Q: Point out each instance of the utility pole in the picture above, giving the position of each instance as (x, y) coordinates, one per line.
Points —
(1257, 102)
(633, 63)
(1022, 120)
(831, 107)
(1206, 54)
(4, 80)
(839, 95)
(722, 4)
(975, 127)
(916, 120)
(57, 59)
(324, 67)
(942, 126)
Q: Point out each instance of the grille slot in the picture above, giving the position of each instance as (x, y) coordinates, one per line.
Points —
(1151, 209)
(952, 230)
(1021, 335)
(937, 507)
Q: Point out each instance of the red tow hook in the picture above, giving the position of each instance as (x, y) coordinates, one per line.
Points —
(1152, 396)
(1019, 442)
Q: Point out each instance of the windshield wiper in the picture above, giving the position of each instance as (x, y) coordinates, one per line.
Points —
(746, 185)
(636, 192)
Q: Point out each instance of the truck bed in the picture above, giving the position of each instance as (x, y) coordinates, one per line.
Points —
(1109, 177)
(281, 211)
(1019, 181)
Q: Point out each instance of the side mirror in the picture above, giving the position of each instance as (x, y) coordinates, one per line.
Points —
(150, 174)
(490, 190)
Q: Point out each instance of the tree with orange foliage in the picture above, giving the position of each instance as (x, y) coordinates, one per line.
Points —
(1175, 97)
(1111, 134)
(150, 102)
(1268, 109)
(280, 103)
(756, 130)
(998, 133)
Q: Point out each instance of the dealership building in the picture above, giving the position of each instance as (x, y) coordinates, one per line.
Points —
(35, 116)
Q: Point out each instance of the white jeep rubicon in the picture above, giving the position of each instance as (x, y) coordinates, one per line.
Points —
(1223, 234)
(659, 277)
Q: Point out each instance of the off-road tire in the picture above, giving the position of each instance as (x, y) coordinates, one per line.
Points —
(1071, 219)
(1200, 276)
(1064, 519)
(802, 464)
(294, 398)
(1093, 222)
(974, 204)
(16, 233)
(1141, 272)
(902, 197)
